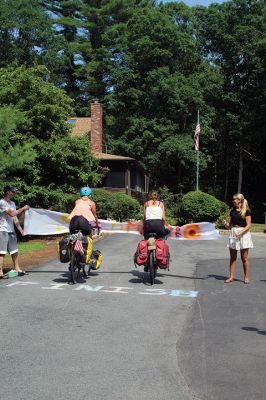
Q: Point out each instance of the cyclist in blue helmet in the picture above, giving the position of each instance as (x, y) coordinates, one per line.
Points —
(85, 207)
(85, 191)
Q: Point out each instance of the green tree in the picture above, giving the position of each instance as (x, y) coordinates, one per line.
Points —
(101, 17)
(58, 164)
(45, 107)
(232, 37)
(45, 32)
(69, 27)
(25, 33)
(158, 82)
(14, 154)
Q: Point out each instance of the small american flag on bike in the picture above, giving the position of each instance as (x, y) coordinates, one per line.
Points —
(78, 247)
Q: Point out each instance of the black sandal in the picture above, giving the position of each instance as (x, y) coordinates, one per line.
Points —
(4, 276)
(22, 273)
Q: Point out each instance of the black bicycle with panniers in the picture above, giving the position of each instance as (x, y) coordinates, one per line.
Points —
(152, 253)
(77, 250)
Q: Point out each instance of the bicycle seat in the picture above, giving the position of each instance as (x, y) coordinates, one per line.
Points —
(151, 243)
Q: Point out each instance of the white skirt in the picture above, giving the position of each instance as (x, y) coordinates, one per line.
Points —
(242, 242)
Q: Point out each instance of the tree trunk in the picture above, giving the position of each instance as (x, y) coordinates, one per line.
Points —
(226, 179)
(240, 170)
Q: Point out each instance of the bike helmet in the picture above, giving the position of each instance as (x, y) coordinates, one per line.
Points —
(85, 191)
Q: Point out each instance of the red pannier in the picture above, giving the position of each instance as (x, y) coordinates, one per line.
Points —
(162, 254)
(141, 255)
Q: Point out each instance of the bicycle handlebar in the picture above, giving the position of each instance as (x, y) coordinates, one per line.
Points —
(97, 229)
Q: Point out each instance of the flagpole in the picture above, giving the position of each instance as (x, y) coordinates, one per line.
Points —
(197, 185)
(197, 173)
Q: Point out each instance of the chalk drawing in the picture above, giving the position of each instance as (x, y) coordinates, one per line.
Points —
(22, 283)
(183, 293)
(56, 286)
(117, 289)
(89, 288)
(108, 289)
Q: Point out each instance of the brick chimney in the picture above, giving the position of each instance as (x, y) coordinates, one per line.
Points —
(96, 134)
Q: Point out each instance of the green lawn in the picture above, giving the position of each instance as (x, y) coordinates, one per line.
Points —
(258, 227)
(27, 247)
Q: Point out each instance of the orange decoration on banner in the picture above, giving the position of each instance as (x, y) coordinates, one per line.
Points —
(139, 227)
(177, 231)
(192, 231)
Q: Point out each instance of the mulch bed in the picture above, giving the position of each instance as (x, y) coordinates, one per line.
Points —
(32, 259)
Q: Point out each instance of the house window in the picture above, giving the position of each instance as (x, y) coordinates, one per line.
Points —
(114, 179)
(72, 121)
(137, 181)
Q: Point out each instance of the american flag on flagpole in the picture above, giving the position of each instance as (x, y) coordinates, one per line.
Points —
(78, 247)
(196, 134)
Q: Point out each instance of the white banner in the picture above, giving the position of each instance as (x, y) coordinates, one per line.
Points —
(46, 222)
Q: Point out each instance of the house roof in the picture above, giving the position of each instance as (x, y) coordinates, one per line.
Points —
(113, 157)
(80, 125)
(106, 156)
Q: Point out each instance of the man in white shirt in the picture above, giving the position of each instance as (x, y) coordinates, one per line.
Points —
(8, 237)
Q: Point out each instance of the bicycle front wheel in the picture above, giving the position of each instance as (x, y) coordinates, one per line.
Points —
(152, 266)
(73, 267)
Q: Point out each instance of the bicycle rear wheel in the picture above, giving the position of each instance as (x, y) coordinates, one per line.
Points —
(152, 266)
(73, 267)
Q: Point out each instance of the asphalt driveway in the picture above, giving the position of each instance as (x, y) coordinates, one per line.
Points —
(114, 336)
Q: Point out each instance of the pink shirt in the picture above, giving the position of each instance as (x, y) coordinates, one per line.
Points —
(83, 207)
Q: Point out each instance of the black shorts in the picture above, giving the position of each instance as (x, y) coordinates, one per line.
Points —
(154, 226)
(79, 223)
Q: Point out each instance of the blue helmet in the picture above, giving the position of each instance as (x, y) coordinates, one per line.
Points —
(85, 191)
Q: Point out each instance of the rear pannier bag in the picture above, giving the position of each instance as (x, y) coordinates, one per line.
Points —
(87, 248)
(96, 259)
(141, 255)
(162, 254)
(79, 223)
(63, 251)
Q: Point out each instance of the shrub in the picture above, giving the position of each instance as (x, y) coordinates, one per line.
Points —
(172, 204)
(105, 202)
(118, 206)
(170, 217)
(200, 206)
(166, 196)
(224, 216)
(126, 208)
